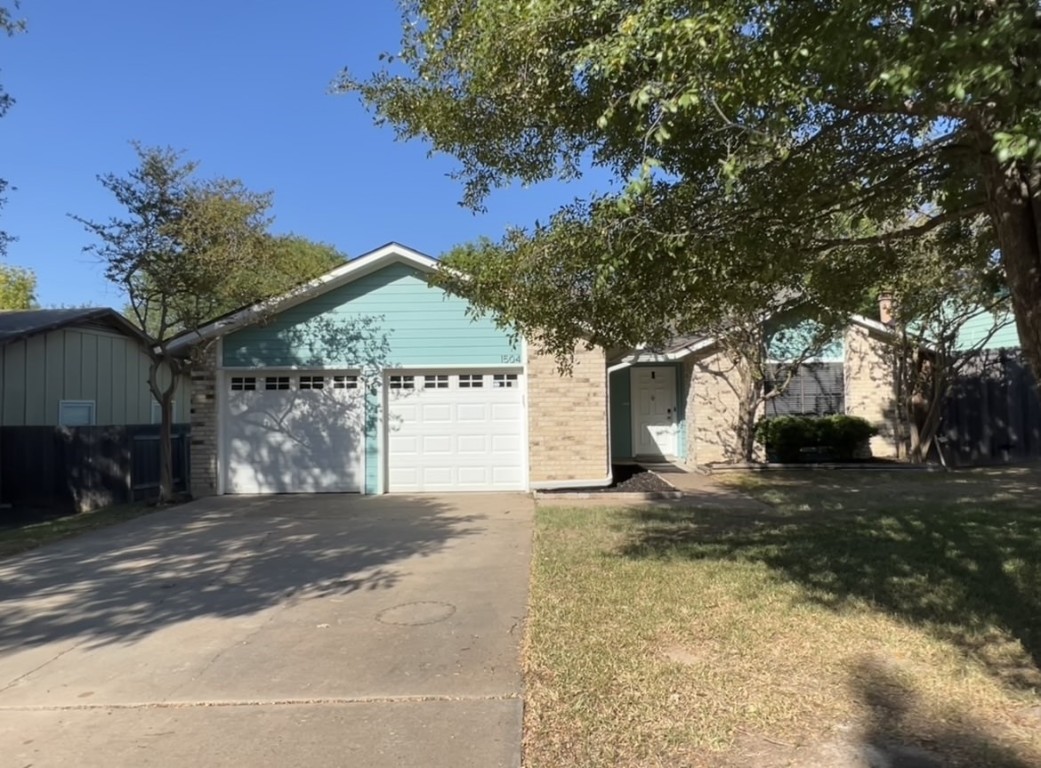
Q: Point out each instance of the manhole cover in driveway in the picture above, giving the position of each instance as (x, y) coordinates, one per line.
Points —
(416, 614)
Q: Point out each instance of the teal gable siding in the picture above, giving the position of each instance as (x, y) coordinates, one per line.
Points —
(975, 330)
(390, 318)
(789, 342)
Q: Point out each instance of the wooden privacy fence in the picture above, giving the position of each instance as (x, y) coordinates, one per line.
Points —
(993, 415)
(83, 468)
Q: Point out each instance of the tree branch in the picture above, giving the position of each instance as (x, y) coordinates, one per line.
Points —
(916, 231)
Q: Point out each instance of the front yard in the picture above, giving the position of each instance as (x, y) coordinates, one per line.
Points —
(19, 535)
(890, 616)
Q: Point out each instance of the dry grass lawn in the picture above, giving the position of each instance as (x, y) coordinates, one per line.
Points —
(18, 538)
(862, 618)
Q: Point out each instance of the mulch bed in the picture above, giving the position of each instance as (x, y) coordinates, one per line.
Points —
(628, 478)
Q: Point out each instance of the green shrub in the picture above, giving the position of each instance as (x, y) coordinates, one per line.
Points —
(789, 438)
(846, 434)
(785, 436)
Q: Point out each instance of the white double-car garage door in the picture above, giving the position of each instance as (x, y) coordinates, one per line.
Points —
(304, 432)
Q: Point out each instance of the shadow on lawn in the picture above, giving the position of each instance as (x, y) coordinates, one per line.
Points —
(958, 567)
(891, 726)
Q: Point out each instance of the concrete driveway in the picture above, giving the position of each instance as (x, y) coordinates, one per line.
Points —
(291, 630)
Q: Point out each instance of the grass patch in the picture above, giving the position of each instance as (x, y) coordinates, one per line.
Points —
(22, 538)
(862, 611)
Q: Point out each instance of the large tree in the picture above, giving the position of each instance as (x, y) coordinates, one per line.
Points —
(767, 147)
(186, 250)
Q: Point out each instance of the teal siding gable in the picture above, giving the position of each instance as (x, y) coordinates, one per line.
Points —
(791, 341)
(387, 319)
(973, 334)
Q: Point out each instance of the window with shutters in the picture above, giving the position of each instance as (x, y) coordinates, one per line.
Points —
(815, 389)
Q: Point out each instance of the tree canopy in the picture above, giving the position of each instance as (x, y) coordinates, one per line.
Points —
(9, 25)
(17, 288)
(186, 250)
(767, 149)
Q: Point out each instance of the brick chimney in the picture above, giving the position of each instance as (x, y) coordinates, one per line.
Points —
(885, 308)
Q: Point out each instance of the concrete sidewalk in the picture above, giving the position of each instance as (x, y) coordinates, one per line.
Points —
(291, 630)
(703, 490)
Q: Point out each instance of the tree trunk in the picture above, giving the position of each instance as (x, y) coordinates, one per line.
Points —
(1014, 207)
(748, 408)
(165, 396)
(166, 489)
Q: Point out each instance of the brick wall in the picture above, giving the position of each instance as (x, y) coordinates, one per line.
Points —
(871, 388)
(712, 409)
(567, 418)
(204, 422)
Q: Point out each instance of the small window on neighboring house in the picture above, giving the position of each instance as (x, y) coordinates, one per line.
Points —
(312, 382)
(239, 383)
(76, 413)
(402, 382)
(501, 380)
(814, 389)
(435, 382)
(345, 382)
(471, 381)
(276, 382)
(157, 412)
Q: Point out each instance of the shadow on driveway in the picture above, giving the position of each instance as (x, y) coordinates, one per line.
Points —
(221, 557)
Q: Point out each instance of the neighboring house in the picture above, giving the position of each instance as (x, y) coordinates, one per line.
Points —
(369, 380)
(75, 408)
(75, 367)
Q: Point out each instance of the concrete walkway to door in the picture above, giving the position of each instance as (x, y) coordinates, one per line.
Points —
(291, 630)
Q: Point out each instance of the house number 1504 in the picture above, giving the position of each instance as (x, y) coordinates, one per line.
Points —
(510, 358)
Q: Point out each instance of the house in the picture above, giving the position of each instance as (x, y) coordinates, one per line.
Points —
(75, 367)
(369, 380)
(77, 418)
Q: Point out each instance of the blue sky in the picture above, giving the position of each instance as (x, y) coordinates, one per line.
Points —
(242, 87)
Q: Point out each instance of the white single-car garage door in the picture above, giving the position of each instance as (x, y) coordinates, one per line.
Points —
(455, 432)
(293, 432)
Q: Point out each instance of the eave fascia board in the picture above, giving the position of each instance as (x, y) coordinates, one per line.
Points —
(648, 356)
(356, 268)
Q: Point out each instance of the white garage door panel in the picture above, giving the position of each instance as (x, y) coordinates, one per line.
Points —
(292, 440)
(456, 438)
